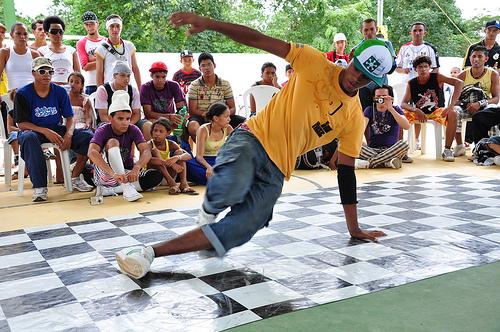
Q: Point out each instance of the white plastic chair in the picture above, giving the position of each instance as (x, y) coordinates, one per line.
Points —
(92, 97)
(262, 95)
(438, 137)
(7, 153)
(399, 92)
(65, 163)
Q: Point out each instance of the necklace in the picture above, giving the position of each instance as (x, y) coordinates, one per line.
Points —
(478, 77)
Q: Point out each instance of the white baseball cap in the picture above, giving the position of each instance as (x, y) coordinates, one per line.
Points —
(119, 102)
(339, 36)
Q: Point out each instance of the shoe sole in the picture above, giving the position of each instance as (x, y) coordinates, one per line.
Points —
(133, 198)
(126, 266)
(83, 190)
(39, 199)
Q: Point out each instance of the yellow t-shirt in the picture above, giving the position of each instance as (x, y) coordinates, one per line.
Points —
(3, 84)
(484, 81)
(310, 111)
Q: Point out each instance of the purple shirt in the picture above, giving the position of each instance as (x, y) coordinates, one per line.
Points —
(383, 130)
(162, 101)
(133, 135)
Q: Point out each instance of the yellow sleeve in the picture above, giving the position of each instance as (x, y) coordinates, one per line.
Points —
(302, 56)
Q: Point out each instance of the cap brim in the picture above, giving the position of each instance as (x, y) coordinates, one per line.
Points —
(378, 80)
(43, 66)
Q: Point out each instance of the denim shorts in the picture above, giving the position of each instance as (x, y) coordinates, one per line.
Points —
(248, 182)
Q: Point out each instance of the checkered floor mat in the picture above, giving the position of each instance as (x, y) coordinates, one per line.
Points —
(64, 277)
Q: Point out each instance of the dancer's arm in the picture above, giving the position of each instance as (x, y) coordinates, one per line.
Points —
(240, 33)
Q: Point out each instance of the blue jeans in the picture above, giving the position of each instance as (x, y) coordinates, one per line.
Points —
(246, 180)
(32, 153)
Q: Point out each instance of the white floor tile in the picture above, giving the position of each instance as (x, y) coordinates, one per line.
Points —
(2, 315)
(434, 201)
(495, 254)
(116, 242)
(442, 235)
(439, 222)
(438, 210)
(98, 288)
(168, 216)
(321, 219)
(125, 216)
(493, 237)
(298, 249)
(20, 259)
(491, 211)
(429, 271)
(58, 241)
(368, 251)
(212, 265)
(44, 228)
(487, 201)
(285, 207)
(76, 261)
(378, 220)
(29, 285)
(482, 193)
(94, 227)
(294, 198)
(143, 228)
(309, 233)
(54, 319)
(328, 208)
(337, 294)
(360, 272)
(389, 192)
(434, 193)
(13, 239)
(264, 293)
(184, 289)
(386, 200)
(382, 209)
(282, 268)
(443, 253)
(225, 322)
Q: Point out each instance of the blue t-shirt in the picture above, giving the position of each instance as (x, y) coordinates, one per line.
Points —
(383, 130)
(43, 112)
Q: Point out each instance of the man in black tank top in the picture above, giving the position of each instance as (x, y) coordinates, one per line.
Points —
(424, 100)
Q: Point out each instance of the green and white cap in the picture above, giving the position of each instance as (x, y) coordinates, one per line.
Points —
(373, 59)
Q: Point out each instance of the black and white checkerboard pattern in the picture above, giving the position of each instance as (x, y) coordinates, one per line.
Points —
(64, 277)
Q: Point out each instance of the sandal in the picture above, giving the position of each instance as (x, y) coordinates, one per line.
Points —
(189, 191)
(175, 190)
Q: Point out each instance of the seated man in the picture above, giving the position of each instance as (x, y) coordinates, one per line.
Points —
(121, 81)
(205, 91)
(120, 174)
(161, 97)
(479, 106)
(39, 108)
(269, 77)
(426, 96)
(383, 121)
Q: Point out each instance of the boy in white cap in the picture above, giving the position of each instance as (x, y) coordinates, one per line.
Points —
(113, 49)
(339, 45)
(120, 174)
(318, 104)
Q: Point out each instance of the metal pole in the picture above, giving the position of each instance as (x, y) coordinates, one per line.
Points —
(380, 12)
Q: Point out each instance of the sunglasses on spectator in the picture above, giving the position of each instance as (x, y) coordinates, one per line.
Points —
(56, 31)
(45, 71)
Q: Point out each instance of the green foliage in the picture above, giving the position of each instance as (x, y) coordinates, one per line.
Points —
(313, 22)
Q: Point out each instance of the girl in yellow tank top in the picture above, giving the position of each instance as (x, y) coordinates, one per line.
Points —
(209, 139)
(169, 158)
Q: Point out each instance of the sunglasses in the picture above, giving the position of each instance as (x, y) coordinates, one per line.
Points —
(45, 71)
(56, 31)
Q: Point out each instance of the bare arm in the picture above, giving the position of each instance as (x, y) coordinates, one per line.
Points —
(405, 103)
(201, 136)
(193, 108)
(252, 104)
(136, 115)
(136, 71)
(231, 105)
(495, 88)
(99, 70)
(4, 56)
(76, 62)
(238, 33)
(456, 83)
(95, 156)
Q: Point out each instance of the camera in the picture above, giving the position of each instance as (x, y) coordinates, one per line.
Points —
(379, 100)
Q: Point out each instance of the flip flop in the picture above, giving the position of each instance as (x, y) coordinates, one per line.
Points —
(174, 190)
(189, 191)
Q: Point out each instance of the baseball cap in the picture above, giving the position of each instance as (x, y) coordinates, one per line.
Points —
(158, 66)
(121, 67)
(186, 53)
(89, 16)
(373, 59)
(119, 102)
(41, 62)
(492, 24)
(339, 36)
(341, 62)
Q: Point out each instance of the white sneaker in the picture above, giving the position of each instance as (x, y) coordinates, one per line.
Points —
(360, 163)
(81, 185)
(110, 191)
(135, 261)
(129, 192)
(39, 194)
(394, 163)
(205, 218)
(448, 155)
(496, 160)
(459, 150)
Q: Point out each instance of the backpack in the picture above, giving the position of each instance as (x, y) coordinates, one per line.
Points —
(470, 94)
(317, 158)
(481, 152)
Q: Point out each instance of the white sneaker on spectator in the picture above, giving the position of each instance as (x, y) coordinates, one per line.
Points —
(205, 218)
(39, 194)
(496, 160)
(394, 163)
(459, 150)
(111, 191)
(407, 159)
(135, 261)
(129, 192)
(81, 185)
(448, 155)
(360, 163)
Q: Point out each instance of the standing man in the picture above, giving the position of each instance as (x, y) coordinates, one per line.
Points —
(37, 30)
(86, 50)
(38, 110)
(161, 97)
(318, 104)
(491, 30)
(339, 45)
(187, 73)
(115, 49)
(205, 91)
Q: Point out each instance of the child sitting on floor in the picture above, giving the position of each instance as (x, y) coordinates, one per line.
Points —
(79, 101)
(169, 158)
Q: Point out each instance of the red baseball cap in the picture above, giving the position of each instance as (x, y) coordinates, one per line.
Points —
(158, 66)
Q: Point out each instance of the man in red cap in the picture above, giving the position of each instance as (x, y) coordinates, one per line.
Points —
(161, 97)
